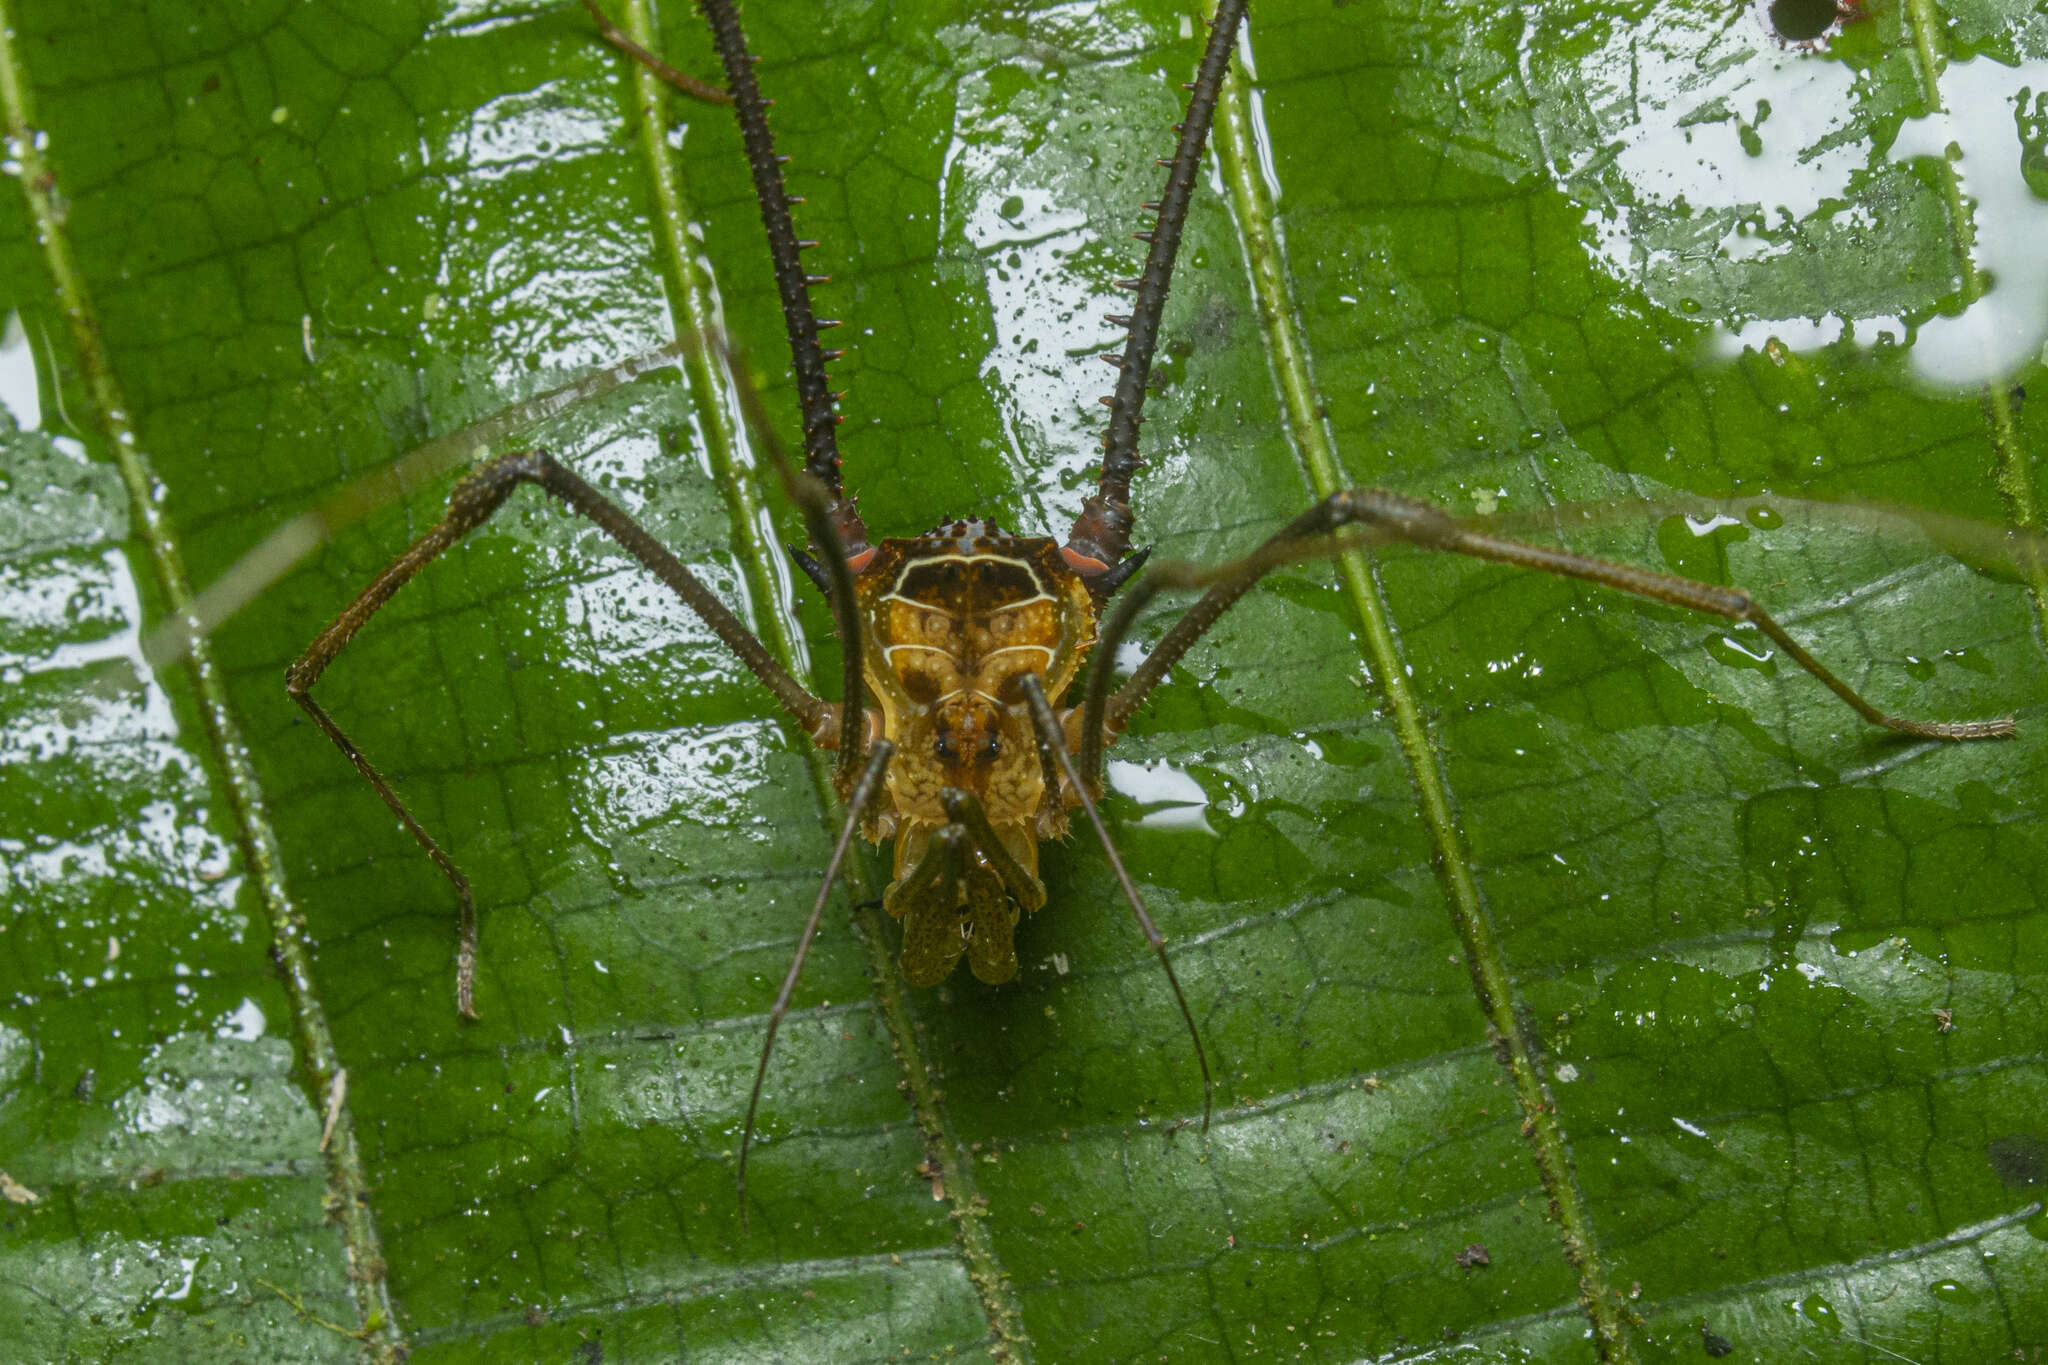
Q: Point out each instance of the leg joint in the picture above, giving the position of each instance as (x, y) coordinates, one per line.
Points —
(485, 489)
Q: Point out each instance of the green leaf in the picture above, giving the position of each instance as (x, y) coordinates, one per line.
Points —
(1603, 908)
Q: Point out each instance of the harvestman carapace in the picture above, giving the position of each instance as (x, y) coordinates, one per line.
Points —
(961, 644)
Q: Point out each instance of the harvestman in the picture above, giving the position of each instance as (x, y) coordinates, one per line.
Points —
(962, 642)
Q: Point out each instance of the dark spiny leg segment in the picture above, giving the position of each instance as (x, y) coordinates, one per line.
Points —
(814, 395)
(1103, 530)
(473, 502)
(1381, 515)
(835, 526)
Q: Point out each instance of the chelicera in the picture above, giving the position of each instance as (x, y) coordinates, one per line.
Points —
(958, 729)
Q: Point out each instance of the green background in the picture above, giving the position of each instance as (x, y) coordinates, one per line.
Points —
(1516, 241)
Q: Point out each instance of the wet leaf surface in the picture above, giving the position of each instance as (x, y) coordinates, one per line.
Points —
(1781, 974)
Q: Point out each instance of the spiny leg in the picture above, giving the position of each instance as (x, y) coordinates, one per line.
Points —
(1385, 515)
(865, 789)
(832, 518)
(1102, 532)
(814, 396)
(1054, 739)
(681, 80)
(473, 502)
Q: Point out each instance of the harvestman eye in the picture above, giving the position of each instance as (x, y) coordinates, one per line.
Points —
(912, 610)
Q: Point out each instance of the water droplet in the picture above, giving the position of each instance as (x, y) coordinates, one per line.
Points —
(1816, 1309)
(1954, 1291)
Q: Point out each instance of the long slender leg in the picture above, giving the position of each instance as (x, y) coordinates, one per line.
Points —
(471, 504)
(1102, 532)
(1385, 515)
(864, 792)
(289, 544)
(1053, 738)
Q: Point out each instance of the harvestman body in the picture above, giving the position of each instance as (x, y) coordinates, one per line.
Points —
(963, 641)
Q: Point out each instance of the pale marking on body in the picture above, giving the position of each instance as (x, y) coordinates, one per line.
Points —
(895, 593)
(1042, 596)
(1047, 650)
(889, 653)
(988, 697)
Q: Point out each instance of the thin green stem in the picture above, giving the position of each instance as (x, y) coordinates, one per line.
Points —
(1257, 219)
(2010, 468)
